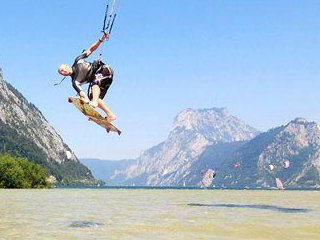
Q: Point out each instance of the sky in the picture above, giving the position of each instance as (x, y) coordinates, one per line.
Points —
(259, 59)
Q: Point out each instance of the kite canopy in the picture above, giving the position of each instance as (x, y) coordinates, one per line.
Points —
(271, 167)
(287, 164)
(236, 165)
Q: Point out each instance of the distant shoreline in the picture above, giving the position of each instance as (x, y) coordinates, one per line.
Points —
(183, 188)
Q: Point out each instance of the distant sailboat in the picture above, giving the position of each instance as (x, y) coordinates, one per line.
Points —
(279, 184)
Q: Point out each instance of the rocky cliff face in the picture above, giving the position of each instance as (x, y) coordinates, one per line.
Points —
(25, 131)
(290, 153)
(173, 161)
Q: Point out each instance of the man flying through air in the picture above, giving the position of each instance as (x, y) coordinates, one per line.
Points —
(97, 74)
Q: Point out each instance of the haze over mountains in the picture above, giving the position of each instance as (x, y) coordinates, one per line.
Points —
(105, 170)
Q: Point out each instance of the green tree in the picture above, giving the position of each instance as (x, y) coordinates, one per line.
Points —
(20, 173)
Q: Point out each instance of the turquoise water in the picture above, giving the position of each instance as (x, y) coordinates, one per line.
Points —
(159, 214)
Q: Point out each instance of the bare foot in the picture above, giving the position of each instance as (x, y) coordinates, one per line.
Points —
(85, 100)
(111, 118)
(93, 104)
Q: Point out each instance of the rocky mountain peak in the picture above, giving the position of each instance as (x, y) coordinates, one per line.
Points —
(214, 124)
(191, 118)
(300, 132)
(301, 121)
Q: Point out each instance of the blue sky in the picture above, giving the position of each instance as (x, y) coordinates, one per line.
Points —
(260, 59)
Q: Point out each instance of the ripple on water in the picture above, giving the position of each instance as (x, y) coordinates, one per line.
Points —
(84, 224)
(265, 207)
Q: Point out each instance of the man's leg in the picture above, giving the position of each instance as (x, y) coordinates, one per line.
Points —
(98, 102)
(83, 97)
(95, 95)
(98, 93)
(110, 116)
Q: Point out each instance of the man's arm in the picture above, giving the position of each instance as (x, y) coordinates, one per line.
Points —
(94, 46)
(82, 94)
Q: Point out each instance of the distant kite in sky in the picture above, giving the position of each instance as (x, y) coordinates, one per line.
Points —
(236, 165)
(287, 164)
(271, 167)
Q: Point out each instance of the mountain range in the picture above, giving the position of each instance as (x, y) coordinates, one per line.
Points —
(177, 160)
(290, 153)
(210, 147)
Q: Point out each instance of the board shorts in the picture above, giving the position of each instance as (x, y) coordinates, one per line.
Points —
(103, 78)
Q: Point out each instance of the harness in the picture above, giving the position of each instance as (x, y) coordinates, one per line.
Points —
(98, 67)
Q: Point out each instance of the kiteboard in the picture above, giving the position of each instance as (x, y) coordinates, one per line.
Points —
(92, 114)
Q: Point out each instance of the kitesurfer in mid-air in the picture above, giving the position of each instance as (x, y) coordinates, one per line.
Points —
(97, 74)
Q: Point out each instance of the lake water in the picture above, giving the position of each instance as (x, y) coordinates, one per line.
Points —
(151, 214)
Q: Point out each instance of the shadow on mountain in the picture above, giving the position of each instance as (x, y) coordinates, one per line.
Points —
(264, 207)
